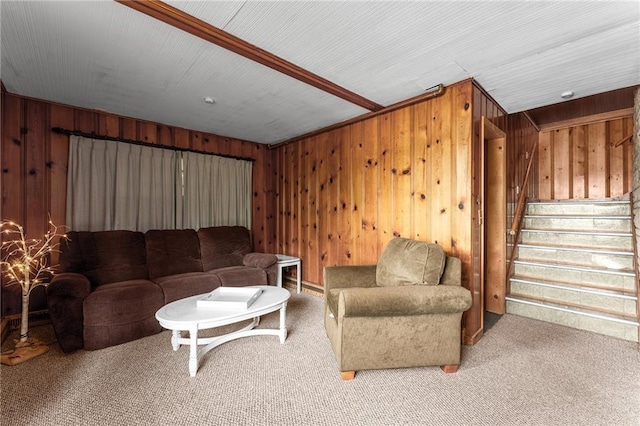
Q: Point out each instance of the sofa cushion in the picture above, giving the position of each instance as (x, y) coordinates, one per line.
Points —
(223, 246)
(239, 276)
(105, 257)
(121, 312)
(180, 286)
(410, 262)
(172, 252)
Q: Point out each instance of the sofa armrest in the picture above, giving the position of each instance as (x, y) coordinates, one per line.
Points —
(348, 276)
(259, 260)
(403, 300)
(65, 298)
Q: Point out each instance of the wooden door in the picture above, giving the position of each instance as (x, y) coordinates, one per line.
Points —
(493, 256)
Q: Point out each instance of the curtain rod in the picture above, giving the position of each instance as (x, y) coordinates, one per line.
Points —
(93, 135)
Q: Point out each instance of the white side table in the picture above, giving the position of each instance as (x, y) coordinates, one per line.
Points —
(285, 261)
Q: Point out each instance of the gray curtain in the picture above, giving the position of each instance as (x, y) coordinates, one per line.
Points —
(217, 191)
(116, 185)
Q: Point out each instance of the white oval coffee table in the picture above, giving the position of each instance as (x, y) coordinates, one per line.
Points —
(184, 315)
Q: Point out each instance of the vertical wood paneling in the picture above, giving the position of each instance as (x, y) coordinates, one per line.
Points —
(357, 202)
(593, 167)
(13, 183)
(181, 138)
(61, 116)
(303, 200)
(421, 169)
(322, 202)
(108, 125)
(545, 163)
(578, 181)
(128, 129)
(598, 161)
(385, 185)
(562, 165)
(616, 157)
(294, 205)
(402, 155)
(12, 160)
(333, 194)
(346, 201)
(36, 185)
(370, 220)
(147, 132)
(311, 260)
(34, 168)
(401, 173)
(444, 168)
(461, 200)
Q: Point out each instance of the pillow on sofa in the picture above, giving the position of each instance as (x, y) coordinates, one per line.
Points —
(409, 262)
(223, 246)
(172, 252)
(104, 257)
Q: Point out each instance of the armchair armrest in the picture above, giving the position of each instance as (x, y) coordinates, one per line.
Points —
(259, 260)
(348, 276)
(404, 300)
(65, 298)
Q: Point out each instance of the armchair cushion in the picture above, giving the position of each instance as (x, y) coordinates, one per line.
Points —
(410, 262)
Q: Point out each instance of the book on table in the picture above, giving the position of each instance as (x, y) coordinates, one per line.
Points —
(230, 298)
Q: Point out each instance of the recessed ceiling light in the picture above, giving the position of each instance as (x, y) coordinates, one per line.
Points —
(209, 100)
(567, 95)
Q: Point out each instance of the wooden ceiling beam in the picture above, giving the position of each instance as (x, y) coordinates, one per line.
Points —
(183, 21)
(590, 119)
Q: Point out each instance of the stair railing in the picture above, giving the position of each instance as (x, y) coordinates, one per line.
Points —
(516, 224)
(521, 199)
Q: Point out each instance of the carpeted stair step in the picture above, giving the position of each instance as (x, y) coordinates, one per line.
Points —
(577, 238)
(606, 278)
(581, 207)
(540, 308)
(607, 300)
(579, 222)
(587, 256)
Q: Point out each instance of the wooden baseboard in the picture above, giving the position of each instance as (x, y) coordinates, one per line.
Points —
(305, 287)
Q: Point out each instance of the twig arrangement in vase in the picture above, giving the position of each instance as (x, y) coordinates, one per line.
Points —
(25, 261)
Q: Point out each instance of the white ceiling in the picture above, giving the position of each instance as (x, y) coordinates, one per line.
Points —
(104, 55)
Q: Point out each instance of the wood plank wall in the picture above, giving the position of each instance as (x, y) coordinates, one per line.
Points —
(586, 161)
(34, 167)
(343, 194)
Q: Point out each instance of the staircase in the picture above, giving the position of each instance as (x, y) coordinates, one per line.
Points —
(575, 267)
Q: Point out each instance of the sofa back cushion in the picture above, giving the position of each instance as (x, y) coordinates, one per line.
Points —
(223, 246)
(105, 256)
(172, 251)
(410, 262)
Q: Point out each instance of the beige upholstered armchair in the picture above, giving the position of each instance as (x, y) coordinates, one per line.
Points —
(405, 311)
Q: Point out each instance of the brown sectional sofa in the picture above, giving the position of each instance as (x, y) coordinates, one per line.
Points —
(110, 284)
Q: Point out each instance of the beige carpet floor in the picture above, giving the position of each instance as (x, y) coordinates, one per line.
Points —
(523, 372)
